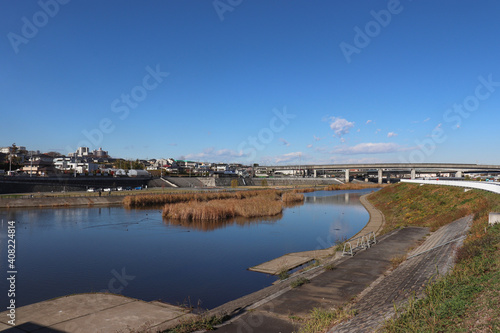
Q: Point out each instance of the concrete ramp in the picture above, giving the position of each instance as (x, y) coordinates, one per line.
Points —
(290, 261)
(95, 313)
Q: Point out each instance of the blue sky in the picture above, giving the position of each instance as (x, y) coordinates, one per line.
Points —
(272, 82)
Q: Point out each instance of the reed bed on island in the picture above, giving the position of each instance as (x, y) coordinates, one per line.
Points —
(292, 197)
(149, 200)
(217, 210)
(304, 190)
(218, 206)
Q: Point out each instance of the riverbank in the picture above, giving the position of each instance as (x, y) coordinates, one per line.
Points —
(292, 260)
(60, 202)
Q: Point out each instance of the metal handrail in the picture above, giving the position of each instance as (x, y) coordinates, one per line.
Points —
(362, 242)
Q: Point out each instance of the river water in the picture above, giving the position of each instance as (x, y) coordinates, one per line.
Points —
(137, 254)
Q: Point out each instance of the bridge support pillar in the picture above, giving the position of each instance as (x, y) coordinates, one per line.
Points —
(388, 178)
(380, 176)
(315, 174)
(347, 175)
(413, 174)
(459, 174)
(366, 179)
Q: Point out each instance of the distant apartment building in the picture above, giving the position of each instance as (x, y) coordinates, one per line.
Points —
(85, 152)
(7, 150)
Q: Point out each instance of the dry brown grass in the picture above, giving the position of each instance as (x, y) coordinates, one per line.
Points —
(140, 201)
(398, 260)
(292, 197)
(351, 186)
(304, 190)
(217, 210)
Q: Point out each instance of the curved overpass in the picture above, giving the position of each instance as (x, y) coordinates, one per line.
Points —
(381, 168)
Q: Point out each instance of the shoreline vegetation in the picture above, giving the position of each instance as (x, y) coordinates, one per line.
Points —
(150, 200)
(231, 205)
(218, 206)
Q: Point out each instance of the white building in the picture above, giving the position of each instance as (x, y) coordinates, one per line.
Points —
(67, 163)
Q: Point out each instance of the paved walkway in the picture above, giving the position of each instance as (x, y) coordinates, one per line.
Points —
(94, 313)
(328, 289)
(433, 258)
(361, 278)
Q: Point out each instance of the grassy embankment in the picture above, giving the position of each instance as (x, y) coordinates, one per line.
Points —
(467, 298)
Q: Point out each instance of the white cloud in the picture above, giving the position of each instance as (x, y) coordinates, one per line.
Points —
(368, 121)
(369, 148)
(349, 160)
(295, 156)
(391, 134)
(426, 120)
(317, 138)
(340, 126)
(286, 143)
(309, 146)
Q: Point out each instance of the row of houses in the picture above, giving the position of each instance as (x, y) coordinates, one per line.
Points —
(173, 166)
(86, 162)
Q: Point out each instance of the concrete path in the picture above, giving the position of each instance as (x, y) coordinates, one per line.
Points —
(377, 219)
(94, 313)
(433, 258)
(327, 289)
(361, 278)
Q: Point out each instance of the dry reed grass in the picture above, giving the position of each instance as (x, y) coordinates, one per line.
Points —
(140, 201)
(217, 210)
(292, 197)
(304, 190)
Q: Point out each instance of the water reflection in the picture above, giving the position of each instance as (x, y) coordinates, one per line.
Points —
(326, 198)
(214, 225)
(74, 250)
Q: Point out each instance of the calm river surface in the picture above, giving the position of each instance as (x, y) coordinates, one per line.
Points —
(137, 254)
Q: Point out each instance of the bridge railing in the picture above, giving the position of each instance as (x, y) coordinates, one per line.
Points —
(486, 186)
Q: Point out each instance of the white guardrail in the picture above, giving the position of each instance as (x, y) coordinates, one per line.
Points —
(487, 186)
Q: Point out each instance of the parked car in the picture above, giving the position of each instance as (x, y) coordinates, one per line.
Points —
(91, 189)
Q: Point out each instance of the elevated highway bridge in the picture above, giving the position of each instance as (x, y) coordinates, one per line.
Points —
(409, 170)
